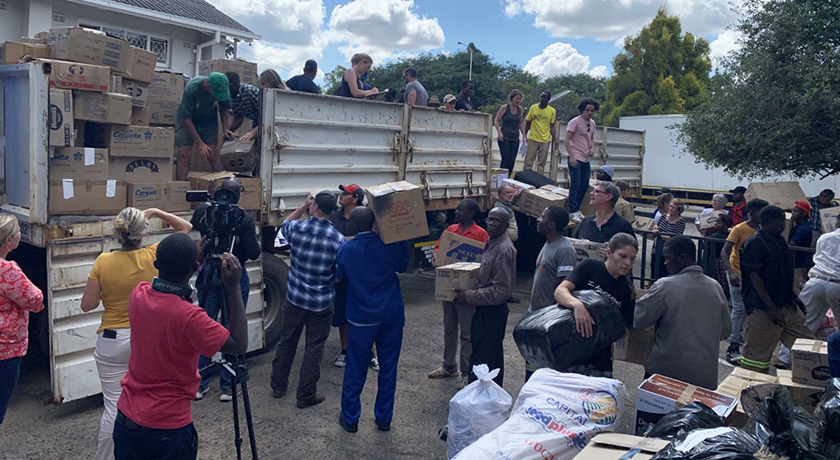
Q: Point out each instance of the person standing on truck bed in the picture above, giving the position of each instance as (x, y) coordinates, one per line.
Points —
(462, 100)
(113, 276)
(18, 297)
(458, 315)
(605, 223)
(245, 100)
(415, 93)
(351, 83)
(738, 211)
(305, 83)
(509, 122)
(580, 146)
(541, 128)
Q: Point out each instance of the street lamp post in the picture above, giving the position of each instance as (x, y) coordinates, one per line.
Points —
(469, 47)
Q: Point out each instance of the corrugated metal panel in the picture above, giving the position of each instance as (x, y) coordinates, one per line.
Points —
(73, 332)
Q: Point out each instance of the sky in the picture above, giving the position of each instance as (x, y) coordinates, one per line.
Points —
(545, 37)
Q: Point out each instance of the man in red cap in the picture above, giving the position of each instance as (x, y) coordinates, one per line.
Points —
(801, 234)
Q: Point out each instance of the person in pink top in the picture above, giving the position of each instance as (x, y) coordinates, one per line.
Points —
(18, 297)
(580, 144)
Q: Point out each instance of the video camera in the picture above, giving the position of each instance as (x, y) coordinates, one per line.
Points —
(222, 218)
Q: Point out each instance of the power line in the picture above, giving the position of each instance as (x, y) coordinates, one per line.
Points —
(263, 59)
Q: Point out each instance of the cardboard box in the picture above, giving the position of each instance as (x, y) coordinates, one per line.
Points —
(251, 197)
(167, 86)
(644, 224)
(754, 376)
(247, 70)
(809, 362)
(144, 195)
(110, 108)
(12, 52)
(400, 211)
(90, 47)
(87, 197)
(139, 116)
(586, 208)
(138, 91)
(457, 248)
(616, 446)
(237, 155)
(61, 118)
(781, 194)
(116, 84)
(72, 75)
(163, 112)
(82, 163)
(497, 177)
(176, 196)
(139, 141)
(141, 67)
(828, 219)
(709, 219)
(134, 169)
(805, 396)
(734, 384)
(660, 395)
(455, 276)
(533, 202)
(520, 186)
(586, 249)
(635, 346)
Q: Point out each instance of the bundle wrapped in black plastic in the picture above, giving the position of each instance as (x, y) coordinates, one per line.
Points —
(692, 416)
(826, 434)
(723, 443)
(788, 431)
(548, 338)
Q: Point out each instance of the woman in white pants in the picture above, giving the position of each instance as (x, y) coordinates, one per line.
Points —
(114, 275)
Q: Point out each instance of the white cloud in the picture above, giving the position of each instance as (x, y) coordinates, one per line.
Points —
(600, 71)
(726, 42)
(562, 59)
(612, 19)
(285, 22)
(288, 60)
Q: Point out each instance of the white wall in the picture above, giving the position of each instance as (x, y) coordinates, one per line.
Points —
(37, 17)
(667, 164)
(11, 20)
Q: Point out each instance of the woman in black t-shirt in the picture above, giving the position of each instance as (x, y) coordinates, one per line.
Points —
(610, 278)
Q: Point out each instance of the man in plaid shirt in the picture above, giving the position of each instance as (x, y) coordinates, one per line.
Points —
(309, 296)
(824, 200)
(244, 103)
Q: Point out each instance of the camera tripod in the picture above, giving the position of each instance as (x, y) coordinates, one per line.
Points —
(233, 364)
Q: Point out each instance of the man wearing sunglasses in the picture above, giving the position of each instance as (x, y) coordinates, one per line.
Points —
(580, 145)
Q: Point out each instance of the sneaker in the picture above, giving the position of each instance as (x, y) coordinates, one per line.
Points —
(226, 396)
(341, 361)
(202, 390)
(348, 427)
(463, 381)
(733, 355)
(374, 364)
(313, 401)
(277, 393)
(441, 373)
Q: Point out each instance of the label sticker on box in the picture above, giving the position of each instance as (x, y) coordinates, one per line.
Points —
(67, 184)
(110, 188)
(89, 156)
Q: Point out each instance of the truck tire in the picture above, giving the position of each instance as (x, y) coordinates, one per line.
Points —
(275, 274)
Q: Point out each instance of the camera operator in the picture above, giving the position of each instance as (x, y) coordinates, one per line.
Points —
(245, 248)
(168, 333)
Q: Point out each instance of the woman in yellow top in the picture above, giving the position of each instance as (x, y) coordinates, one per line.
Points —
(113, 277)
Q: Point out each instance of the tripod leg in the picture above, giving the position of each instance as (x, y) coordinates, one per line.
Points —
(237, 437)
(246, 401)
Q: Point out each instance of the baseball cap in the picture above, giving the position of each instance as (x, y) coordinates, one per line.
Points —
(326, 201)
(608, 170)
(738, 189)
(353, 189)
(448, 98)
(803, 205)
(219, 86)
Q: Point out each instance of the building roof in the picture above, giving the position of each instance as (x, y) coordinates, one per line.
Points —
(198, 10)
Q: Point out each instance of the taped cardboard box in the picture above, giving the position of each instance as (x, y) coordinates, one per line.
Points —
(138, 91)
(734, 384)
(460, 276)
(12, 52)
(809, 362)
(781, 194)
(61, 118)
(533, 202)
(709, 219)
(644, 224)
(237, 155)
(133, 169)
(176, 196)
(247, 70)
(106, 108)
(145, 195)
(400, 211)
(457, 248)
(586, 249)
(83, 163)
(617, 446)
(91, 47)
(635, 346)
(804, 396)
(497, 177)
(251, 197)
(165, 93)
(72, 75)
(87, 197)
(659, 395)
(139, 116)
(828, 219)
(138, 141)
(141, 67)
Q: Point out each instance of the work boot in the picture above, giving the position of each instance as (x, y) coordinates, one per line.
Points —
(441, 373)
(348, 427)
(313, 401)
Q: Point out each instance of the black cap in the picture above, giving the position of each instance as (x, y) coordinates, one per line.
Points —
(738, 189)
(326, 201)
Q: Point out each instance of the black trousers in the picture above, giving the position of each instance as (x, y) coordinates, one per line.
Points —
(132, 442)
(508, 150)
(488, 334)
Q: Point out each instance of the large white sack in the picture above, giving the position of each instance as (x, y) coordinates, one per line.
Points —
(476, 410)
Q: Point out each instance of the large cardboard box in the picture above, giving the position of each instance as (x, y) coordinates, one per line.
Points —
(520, 186)
(237, 155)
(134, 169)
(828, 219)
(781, 194)
(454, 276)
(805, 396)
(660, 395)
(533, 202)
(457, 248)
(141, 67)
(734, 384)
(247, 70)
(251, 197)
(86, 46)
(145, 195)
(635, 346)
(141, 141)
(11, 52)
(709, 219)
(138, 91)
(809, 362)
(61, 118)
(72, 75)
(644, 224)
(617, 446)
(399, 210)
(176, 196)
(109, 108)
(586, 249)
(497, 177)
(165, 93)
(87, 197)
(139, 116)
(85, 163)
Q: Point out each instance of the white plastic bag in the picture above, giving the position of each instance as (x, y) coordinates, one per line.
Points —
(522, 149)
(554, 417)
(476, 410)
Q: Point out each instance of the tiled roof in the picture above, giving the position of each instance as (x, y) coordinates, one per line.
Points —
(197, 10)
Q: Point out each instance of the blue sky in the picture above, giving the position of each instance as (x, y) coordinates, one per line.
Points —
(546, 37)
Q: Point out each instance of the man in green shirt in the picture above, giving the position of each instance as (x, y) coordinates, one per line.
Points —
(540, 126)
(197, 122)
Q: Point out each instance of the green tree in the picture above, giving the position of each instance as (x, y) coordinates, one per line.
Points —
(775, 108)
(669, 69)
(332, 80)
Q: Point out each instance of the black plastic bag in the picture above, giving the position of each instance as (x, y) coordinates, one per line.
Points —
(723, 443)
(692, 416)
(826, 434)
(771, 407)
(548, 338)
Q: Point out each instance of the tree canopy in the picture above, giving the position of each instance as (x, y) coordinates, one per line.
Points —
(775, 108)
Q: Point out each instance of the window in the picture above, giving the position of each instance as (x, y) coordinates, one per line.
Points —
(157, 45)
(160, 46)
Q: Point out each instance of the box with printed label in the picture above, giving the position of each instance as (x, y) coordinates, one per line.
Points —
(11, 52)
(87, 197)
(635, 346)
(140, 169)
(828, 219)
(61, 118)
(167, 86)
(659, 395)
(139, 116)
(138, 91)
(247, 70)
(586, 249)
(533, 202)
(520, 186)
(400, 211)
(176, 196)
(79, 163)
(237, 155)
(112, 108)
(460, 276)
(142, 65)
(781, 194)
(251, 197)
(732, 386)
(805, 396)
(809, 362)
(144, 195)
(644, 224)
(116, 84)
(457, 248)
(617, 446)
(709, 219)
(72, 75)
(497, 177)
(91, 47)
(140, 141)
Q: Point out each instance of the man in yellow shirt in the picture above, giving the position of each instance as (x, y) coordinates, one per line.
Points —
(540, 126)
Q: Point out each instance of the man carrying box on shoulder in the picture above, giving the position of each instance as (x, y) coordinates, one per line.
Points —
(197, 122)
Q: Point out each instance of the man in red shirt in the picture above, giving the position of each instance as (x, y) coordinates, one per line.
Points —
(738, 203)
(169, 332)
(459, 315)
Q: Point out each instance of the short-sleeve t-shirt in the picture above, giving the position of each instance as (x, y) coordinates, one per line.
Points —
(738, 236)
(422, 96)
(591, 274)
(556, 261)
(118, 273)
(303, 84)
(541, 121)
(769, 257)
(167, 338)
(463, 103)
(581, 141)
(197, 104)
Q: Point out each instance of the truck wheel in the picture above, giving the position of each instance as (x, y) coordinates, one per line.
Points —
(275, 274)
